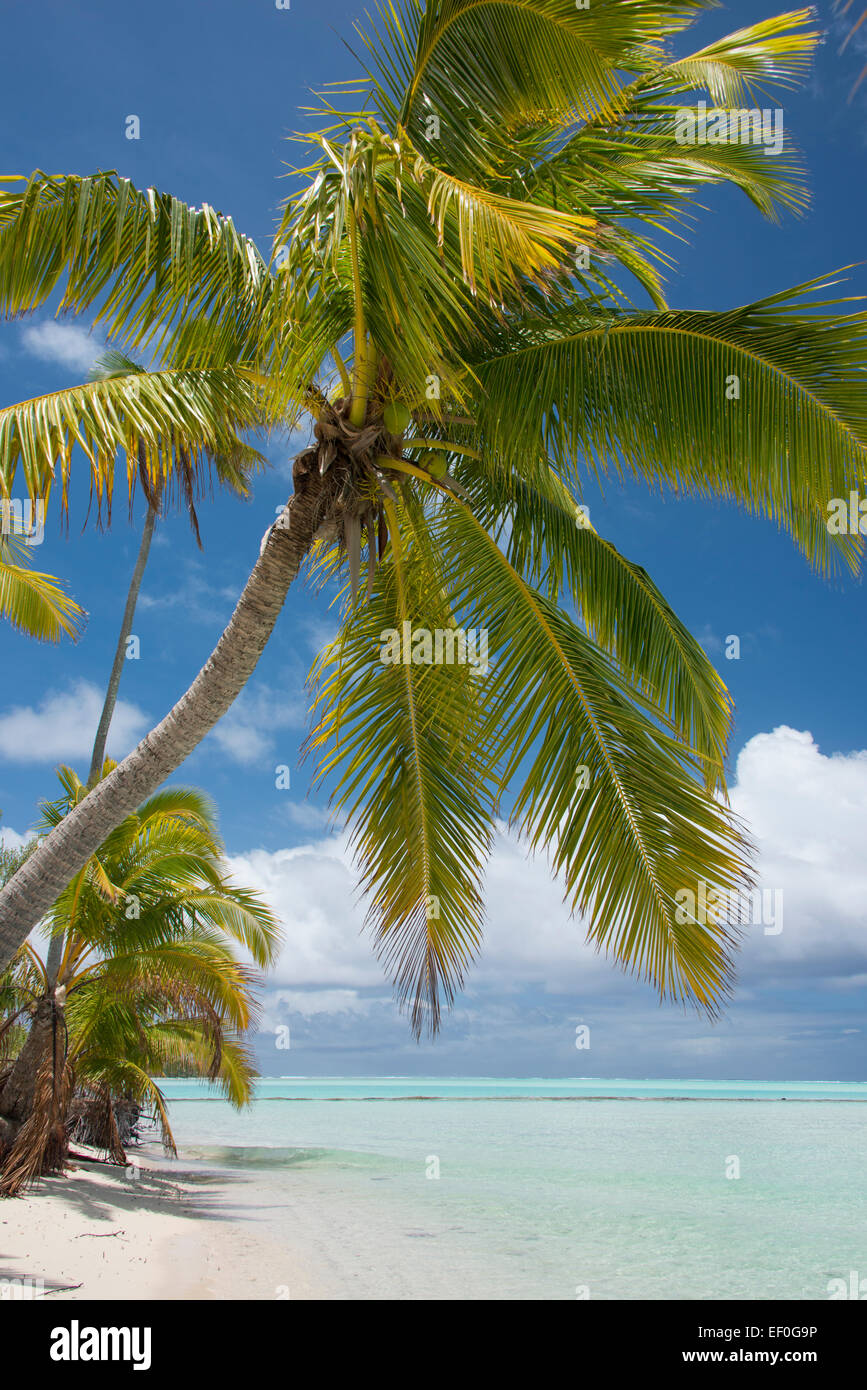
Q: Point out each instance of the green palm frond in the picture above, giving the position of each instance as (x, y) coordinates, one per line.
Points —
(613, 799)
(639, 170)
(164, 421)
(632, 166)
(547, 539)
(195, 963)
(501, 239)
(398, 744)
(35, 603)
(242, 916)
(676, 398)
(146, 261)
(512, 60)
(750, 63)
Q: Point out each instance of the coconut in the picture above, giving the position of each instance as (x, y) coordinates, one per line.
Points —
(396, 417)
(437, 465)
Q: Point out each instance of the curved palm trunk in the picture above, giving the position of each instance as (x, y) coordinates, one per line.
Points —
(32, 890)
(16, 1096)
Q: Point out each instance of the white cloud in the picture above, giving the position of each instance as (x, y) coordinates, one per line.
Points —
(63, 726)
(247, 733)
(310, 1003)
(312, 889)
(10, 839)
(196, 596)
(308, 816)
(63, 343)
(806, 813)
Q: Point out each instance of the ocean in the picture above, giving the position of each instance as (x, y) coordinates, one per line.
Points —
(417, 1187)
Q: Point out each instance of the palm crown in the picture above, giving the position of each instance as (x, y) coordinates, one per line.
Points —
(456, 263)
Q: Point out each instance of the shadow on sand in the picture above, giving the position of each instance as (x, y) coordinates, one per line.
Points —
(102, 1193)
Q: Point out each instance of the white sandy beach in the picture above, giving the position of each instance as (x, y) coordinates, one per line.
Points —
(167, 1233)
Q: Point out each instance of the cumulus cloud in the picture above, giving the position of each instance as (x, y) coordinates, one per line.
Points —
(63, 343)
(806, 812)
(10, 839)
(312, 888)
(247, 734)
(62, 727)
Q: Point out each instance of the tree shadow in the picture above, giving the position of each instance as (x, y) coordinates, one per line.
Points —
(103, 1193)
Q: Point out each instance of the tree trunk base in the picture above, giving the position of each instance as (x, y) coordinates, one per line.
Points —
(8, 1133)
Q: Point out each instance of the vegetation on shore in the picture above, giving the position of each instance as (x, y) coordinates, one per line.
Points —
(152, 976)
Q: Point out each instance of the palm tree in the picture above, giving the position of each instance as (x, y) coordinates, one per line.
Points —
(234, 465)
(149, 978)
(457, 259)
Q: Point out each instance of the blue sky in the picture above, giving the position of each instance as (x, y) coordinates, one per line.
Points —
(217, 87)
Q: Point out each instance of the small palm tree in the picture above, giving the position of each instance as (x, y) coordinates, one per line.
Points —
(455, 266)
(149, 979)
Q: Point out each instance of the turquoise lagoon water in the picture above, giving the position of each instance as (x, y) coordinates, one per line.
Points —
(548, 1189)
(532, 1088)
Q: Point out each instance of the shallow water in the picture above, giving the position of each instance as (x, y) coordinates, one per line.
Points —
(486, 1197)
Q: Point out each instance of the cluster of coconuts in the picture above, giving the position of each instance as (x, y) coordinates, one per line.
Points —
(396, 418)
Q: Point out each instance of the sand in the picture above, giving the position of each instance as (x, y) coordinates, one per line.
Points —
(159, 1231)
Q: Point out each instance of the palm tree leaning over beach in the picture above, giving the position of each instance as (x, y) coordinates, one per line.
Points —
(456, 257)
(233, 463)
(149, 977)
(222, 454)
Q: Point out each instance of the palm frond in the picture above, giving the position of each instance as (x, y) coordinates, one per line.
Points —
(165, 421)
(763, 405)
(146, 261)
(35, 603)
(749, 63)
(547, 539)
(397, 743)
(613, 799)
